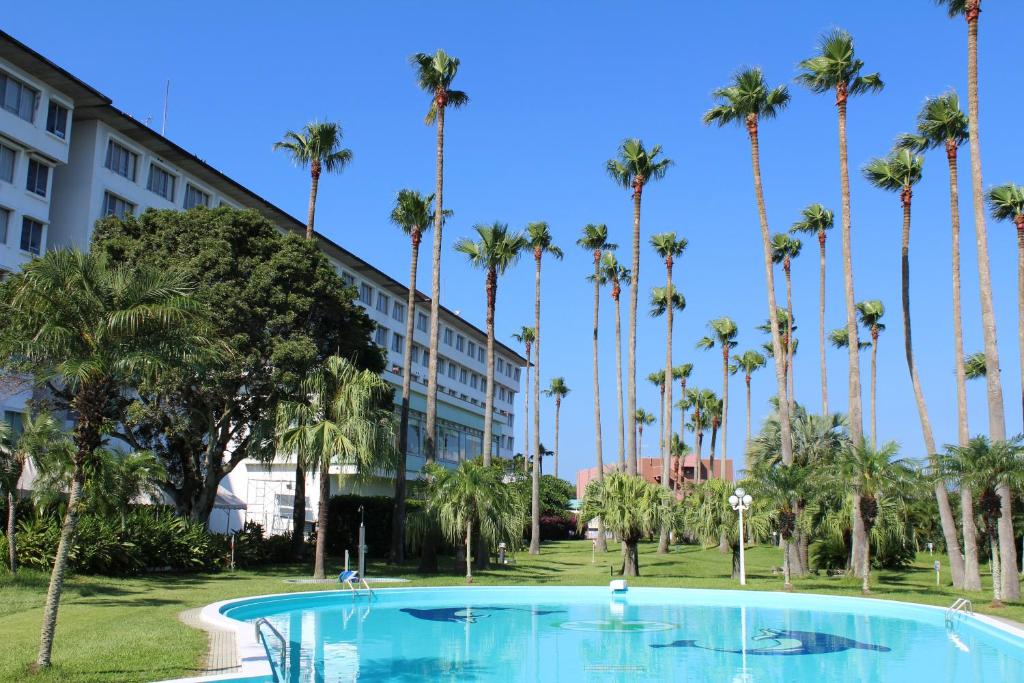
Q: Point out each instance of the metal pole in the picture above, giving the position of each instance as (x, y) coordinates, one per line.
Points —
(743, 566)
(362, 545)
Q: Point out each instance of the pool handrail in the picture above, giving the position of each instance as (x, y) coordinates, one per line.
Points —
(260, 636)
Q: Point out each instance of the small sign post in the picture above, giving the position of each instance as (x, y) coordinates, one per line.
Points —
(938, 567)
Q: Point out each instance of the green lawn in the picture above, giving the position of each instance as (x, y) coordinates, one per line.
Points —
(127, 629)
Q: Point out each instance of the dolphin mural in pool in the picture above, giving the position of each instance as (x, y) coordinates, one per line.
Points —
(467, 615)
(785, 643)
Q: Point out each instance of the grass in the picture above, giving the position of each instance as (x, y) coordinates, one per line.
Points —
(127, 629)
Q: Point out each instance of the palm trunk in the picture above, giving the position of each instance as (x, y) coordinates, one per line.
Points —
(874, 384)
(747, 380)
(661, 420)
(666, 413)
(866, 573)
(630, 559)
(618, 378)
(492, 295)
(469, 552)
(321, 520)
(993, 379)
(600, 543)
(711, 456)
(682, 432)
(526, 413)
(1019, 220)
(631, 377)
(558, 410)
(12, 544)
(786, 434)
(314, 183)
(699, 438)
(972, 573)
(786, 583)
(821, 322)
(859, 540)
(789, 336)
(640, 437)
(725, 409)
(535, 497)
(60, 563)
(397, 555)
(997, 579)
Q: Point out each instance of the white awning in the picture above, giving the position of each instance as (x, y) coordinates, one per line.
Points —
(226, 500)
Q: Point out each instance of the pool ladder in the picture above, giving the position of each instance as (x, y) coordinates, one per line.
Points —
(283, 659)
(960, 607)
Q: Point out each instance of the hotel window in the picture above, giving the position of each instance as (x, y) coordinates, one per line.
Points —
(471, 350)
(161, 182)
(440, 366)
(366, 294)
(501, 365)
(508, 370)
(501, 393)
(460, 342)
(415, 354)
(426, 358)
(474, 381)
(121, 160)
(348, 278)
(397, 343)
(38, 176)
(463, 375)
(398, 312)
(517, 374)
(57, 119)
(7, 158)
(18, 98)
(448, 336)
(381, 337)
(480, 354)
(116, 206)
(195, 197)
(383, 302)
(453, 370)
(5, 219)
(422, 322)
(31, 235)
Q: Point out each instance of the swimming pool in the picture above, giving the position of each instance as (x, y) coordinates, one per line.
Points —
(589, 634)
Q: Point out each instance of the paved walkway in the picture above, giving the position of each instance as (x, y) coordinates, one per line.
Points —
(222, 655)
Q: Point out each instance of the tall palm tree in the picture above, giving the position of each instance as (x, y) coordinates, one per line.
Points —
(634, 168)
(101, 330)
(657, 378)
(682, 373)
(526, 337)
(538, 240)
(558, 390)
(435, 74)
(413, 215)
(836, 68)
(941, 123)
(840, 338)
(343, 420)
(816, 219)
(318, 146)
(1006, 203)
(713, 413)
(784, 250)
(749, 362)
(723, 335)
(595, 240)
(642, 418)
(870, 313)
(971, 11)
(693, 399)
(746, 101)
(618, 275)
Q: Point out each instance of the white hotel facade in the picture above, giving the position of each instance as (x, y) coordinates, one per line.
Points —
(68, 157)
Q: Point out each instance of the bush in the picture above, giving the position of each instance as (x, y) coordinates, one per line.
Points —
(557, 528)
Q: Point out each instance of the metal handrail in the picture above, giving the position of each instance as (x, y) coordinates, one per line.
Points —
(959, 607)
(260, 636)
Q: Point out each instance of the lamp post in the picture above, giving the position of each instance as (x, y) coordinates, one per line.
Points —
(741, 501)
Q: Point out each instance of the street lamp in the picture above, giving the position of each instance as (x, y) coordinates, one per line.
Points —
(741, 501)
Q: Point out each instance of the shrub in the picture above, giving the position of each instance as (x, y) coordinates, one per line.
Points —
(557, 528)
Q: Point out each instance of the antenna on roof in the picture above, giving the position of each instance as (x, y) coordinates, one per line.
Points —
(167, 96)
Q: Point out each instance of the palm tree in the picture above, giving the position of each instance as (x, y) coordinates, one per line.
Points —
(746, 101)
(723, 334)
(941, 123)
(708, 517)
(657, 378)
(749, 362)
(631, 508)
(318, 146)
(698, 400)
(713, 413)
(595, 240)
(538, 240)
(618, 275)
(870, 313)
(981, 467)
(641, 418)
(840, 338)
(434, 74)
(343, 420)
(101, 330)
(635, 167)
(472, 500)
(526, 337)
(413, 215)
(819, 220)
(784, 250)
(971, 10)
(559, 390)
(682, 373)
(1006, 203)
(974, 365)
(779, 487)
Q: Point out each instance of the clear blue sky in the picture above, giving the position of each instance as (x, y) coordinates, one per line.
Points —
(554, 88)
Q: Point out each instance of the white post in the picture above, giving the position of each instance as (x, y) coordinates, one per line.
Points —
(743, 566)
(741, 501)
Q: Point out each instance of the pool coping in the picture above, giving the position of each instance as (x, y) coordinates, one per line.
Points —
(253, 661)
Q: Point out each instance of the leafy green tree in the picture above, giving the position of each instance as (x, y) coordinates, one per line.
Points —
(618, 275)
(631, 509)
(816, 219)
(749, 362)
(318, 146)
(723, 335)
(779, 488)
(101, 331)
(634, 168)
(558, 390)
(707, 516)
(344, 418)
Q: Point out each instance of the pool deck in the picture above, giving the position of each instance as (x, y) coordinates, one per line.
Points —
(222, 652)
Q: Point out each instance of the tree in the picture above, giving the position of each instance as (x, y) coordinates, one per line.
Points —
(344, 419)
(682, 373)
(840, 338)
(318, 146)
(1006, 202)
(618, 275)
(526, 336)
(779, 487)
(413, 215)
(941, 123)
(723, 334)
(634, 168)
(595, 240)
(971, 11)
(472, 499)
(539, 241)
(836, 68)
(641, 419)
(974, 365)
(870, 313)
(746, 101)
(100, 330)
(657, 378)
(558, 390)
(699, 401)
(631, 509)
(434, 75)
(818, 220)
(784, 250)
(708, 517)
(749, 362)
(281, 309)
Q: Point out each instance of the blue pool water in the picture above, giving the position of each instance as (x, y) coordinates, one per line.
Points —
(587, 634)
